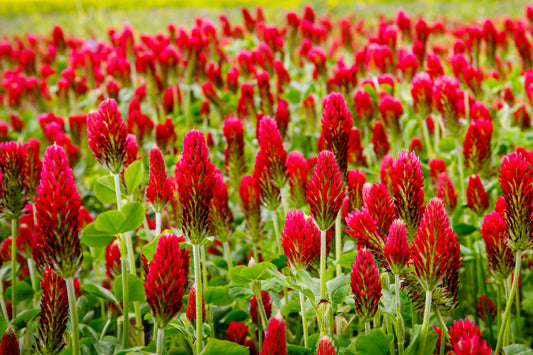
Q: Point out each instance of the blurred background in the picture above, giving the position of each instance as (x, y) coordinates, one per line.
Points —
(93, 17)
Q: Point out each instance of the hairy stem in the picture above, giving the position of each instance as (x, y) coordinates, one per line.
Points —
(73, 316)
(425, 324)
(323, 265)
(199, 303)
(256, 288)
(14, 233)
(338, 241)
(304, 318)
(227, 254)
(400, 331)
(157, 224)
(277, 234)
(160, 341)
(126, 303)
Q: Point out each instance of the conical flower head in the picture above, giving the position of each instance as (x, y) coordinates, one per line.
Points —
(297, 172)
(422, 93)
(325, 346)
(379, 203)
(195, 176)
(112, 259)
(58, 205)
(166, 279)
(396, 249)
(9, 344)
(471, 345)
(300, 240)
(32, 165)
(274, 153)
(190, 312)
(461, 328)
(408, 189)
(336, 127)
(500, 257)
(516, 182)
(275, 338)
(365, 285)
(477, 198)
(380, 140)
(476, 147)
(220, 215)
(14, 189)
(325, 192)
(234, 164)
(250, 194)
(433, 247)
(159, 189)
(486, 310)
(54, 314)
(237, 332)
(107, 136)
(355, 179)
(270, 194)
(445, 96)
(446, 192)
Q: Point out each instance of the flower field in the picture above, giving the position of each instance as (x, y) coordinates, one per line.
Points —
(301, 183)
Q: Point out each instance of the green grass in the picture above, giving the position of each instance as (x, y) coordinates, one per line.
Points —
(93, 17)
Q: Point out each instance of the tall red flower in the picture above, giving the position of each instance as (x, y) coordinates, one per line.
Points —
(300, 240)
(159, 190)
(297, 172)
(445, 96)
(476, 147)
(355, 148)
(233, 130)
(516, 182)
(391, 109)
(355, 179)
(366, 286)
(325, 346)
(250, 194)
(32, 165)
(166, 279)
(379, 203)
(195, 176)
(433, 246)
(275, 338)
(380, 140)
(58, 204)
(477, 198)
(54, 314)
(9, 344)
(363, 106)
(471, 344)
(408, 189)
(486, 310)
(14, 189)
(254, 307)
(436, 166)
(273, 151)
(446, 192)
(460, 328)
(107, 136)
(220, 214)
(396, 249)
(238, 333)
(325, 192)
(190, 312)
(336, 127)
(422, 93)
(112, 259)
(500, 257)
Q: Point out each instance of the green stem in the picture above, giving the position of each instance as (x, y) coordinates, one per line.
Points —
(160, 341)
(338, 241)
(14, 234)
(459, 153)
(323, 265)
(425, 131)
(125, 302)
(284, 200)
(33, 279)
(507, 313)
(277, 234)
(157, 224)
(136, 305)
(208, 311)
(118, 195)
(499, 304)
(400, 331)
(227, 254)
(199, 303)
(425, 324)
(444, 337)
(256, 288)
(436, 130)
(73, 316)
(517, 303)
(367, 328)
(304, 318)
(107, 323)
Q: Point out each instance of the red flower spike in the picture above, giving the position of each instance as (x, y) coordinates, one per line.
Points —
(476, 147)
(486, 309)
(477, 199)
(366, 286)
(112, 259)
(379, 203)
(166, 279)
(408, 189)
(9, 344)
(297, 172)
(270, 194)
(446, 192)
(336, 127)
(275, 339)
(300, 240)
(363, 107)
(234, 164)
(396, 249)
(190, 312)
(391, 109)
(32, 164)
(469, 345)
(380, 140)
(385, 171)
(14, 190)
(58, 205)
(254, 308)
(237, 332)
(165, 136)
(445, 96)
(436, 166)
(325, 346)
(54, 314)
(355, 148)
(273, 151)
(461, 328)
(422, 93)
(363, 227)
(159, 189)
(220, 214)
(107, 136)
(500, 257)
(355, 179)
(516, 183)
(433, 246)
(250, 194)
(195, 177)
(325, 192)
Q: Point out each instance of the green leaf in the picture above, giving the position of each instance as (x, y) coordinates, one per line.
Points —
(218, 296)
(347, 260)
(217, 347)
(463, 229)
(135, 287)
(94, 238)
(133, 176)
(104, 189)
(374, 343)
(293, 95)
(3, 325)
(23, 291)
(240, 293)
(517, 349)
(25, 317)
(243, 275)
(280, 262)
(339, 287)
(298, 350)
(149, 249)
(110, 222)
(447, 144)
(236, 315)
(99, 291)
(133, 216)
(414, 347)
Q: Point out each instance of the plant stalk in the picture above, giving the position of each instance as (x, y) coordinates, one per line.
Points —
(199, 303)
(160, 341)
(277, 234)
(227, 254)
(338, 241)
(14, 233)
(125, 302)
(157, 224)
(427, 315)
(304, 318)
(459, 153)
(367, 328)
(400, 331)
(323, 265)
(256, 288)
(73, 316)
